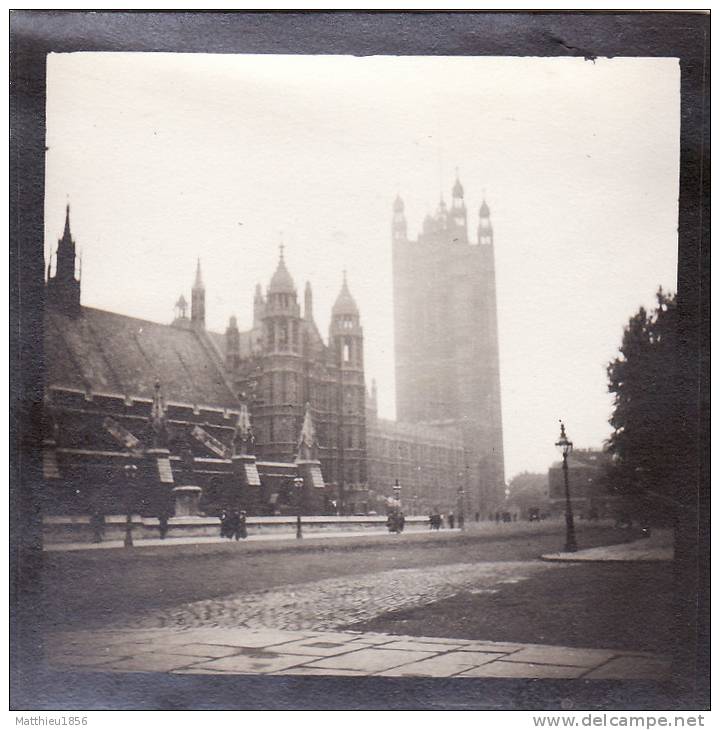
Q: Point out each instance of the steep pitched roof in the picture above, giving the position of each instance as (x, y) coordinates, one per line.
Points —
(104, 352)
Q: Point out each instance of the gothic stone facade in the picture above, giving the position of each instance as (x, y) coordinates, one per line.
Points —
(428, 461)
(446, 340)
(284, 372)
(282, 364)
(122, 392)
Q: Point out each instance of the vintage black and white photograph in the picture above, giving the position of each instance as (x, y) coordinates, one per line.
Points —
(361, 366)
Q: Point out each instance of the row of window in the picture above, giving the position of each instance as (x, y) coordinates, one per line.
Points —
(282, 334)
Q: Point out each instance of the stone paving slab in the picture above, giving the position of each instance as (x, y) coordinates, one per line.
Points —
(261, 663)
(418, 645)
(442, 665)
(318, 646)
(321, 672)
(517, 670)
(245, 651)
(151, 662)
(630, 667)
(371, 660)
(208, 651)
(561, 656)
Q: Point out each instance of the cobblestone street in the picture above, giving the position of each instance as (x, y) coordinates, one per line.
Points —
(335, 602)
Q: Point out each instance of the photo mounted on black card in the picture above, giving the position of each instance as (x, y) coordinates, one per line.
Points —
(354, 364)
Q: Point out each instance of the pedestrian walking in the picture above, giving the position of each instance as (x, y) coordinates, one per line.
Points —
(163, 523)
(242, 525)
(225, 524)
(451, 520)
(97, 522)
(235, 525)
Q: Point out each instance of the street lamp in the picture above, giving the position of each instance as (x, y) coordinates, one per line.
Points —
(130, 474)
(298, 484)
(397, 489)
(565, 447)
(461, 510)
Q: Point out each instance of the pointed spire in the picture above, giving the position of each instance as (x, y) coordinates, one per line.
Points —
(157, 420)
(198, 277)
(281, 281)
(258, 292)
(398, 205)
(197, 308)
(457, 191)
(66, 232)
(345, 304)
(64, 286)
(308, 302)
(307, 445)
(243, 437)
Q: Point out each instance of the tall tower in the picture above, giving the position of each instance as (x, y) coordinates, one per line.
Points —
(346, 347)
(63, 289)
(458, 214)
(446, 341)
(279, 419)
(399, 224)
(197, 306)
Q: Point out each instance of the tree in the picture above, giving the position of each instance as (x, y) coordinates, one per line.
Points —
(647, 428)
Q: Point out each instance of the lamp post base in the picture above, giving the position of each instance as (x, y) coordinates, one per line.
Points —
(298, 533)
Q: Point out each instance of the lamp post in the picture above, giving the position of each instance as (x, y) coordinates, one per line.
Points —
(565, 447)
(461, 507)
(130, 474)
(397, 489)
(298, 484)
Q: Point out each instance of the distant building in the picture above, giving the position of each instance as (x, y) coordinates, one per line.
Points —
(427, 461)
(587, 469)
(446, 339)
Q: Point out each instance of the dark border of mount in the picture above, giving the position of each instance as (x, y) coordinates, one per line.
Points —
(34, 34)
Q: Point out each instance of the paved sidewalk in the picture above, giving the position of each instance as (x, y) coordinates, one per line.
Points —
(226, 651)
(659, 546)
(216, 539)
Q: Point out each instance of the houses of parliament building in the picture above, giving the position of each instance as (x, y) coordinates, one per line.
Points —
(241, 413)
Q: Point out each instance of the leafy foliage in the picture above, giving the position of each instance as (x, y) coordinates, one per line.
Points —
(647, 428)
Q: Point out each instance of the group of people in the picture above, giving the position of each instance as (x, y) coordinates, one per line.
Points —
(233, 524)
(437, 520)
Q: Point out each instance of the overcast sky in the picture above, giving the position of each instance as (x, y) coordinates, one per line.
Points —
(167, 157)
